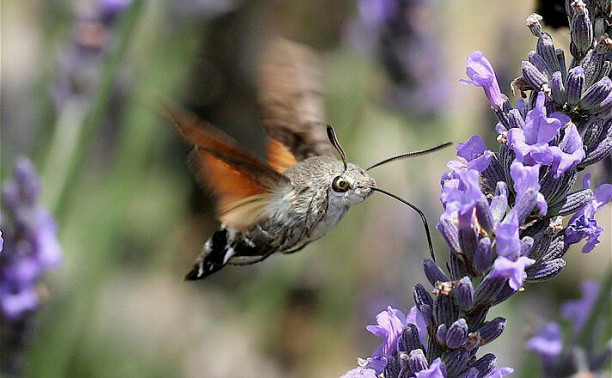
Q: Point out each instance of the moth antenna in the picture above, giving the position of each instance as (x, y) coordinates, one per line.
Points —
(331, 135)
(431, 250)
(411, 154)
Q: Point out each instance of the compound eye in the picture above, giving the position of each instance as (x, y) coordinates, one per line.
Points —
(340, 184)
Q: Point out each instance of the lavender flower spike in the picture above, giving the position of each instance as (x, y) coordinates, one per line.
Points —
(481, 73)
(31, 248)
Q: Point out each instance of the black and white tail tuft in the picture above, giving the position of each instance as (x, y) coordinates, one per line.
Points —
(215, 254)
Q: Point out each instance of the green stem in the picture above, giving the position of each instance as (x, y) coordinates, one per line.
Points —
(64, 161)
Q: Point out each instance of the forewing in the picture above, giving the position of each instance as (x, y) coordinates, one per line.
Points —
(243, 186)
(290, 99)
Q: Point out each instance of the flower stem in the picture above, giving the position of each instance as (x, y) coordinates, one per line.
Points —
(70, 144)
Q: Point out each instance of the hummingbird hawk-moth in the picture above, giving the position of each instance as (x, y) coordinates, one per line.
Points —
(301, 192)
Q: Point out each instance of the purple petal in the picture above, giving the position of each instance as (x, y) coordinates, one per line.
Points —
(360, 372)
(538, 127)
(507, 237)
(389, 328)
(525, 178)
(570, 151)
(481, 73)
(415, 317)
(435, 370)
(514, 270)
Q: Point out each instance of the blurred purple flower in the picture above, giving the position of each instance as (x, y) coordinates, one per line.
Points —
(435, 370)
(402, 35)
(481, 74)
(31, 246)
(514, 270)
(548, 343)
(29, 249)
(578, 310)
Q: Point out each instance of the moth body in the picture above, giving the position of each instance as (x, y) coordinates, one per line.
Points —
(301, 211)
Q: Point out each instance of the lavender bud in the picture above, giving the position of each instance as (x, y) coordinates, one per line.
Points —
(600, 152)
(427, 313)
(596, 94)
(433, 272)
(488, 289)
(538, 62)
(563, 185)
(464, 293)
(558, 89)
(467, 241)
(483, 258)
(526, 204)
(409, 339)
(526, 245)
(441, 334)
(575, 82)
(450, 233)
(477, 316)
(505, 293)
(581, 29)
(546, 49)
(499, 203)
(533, 23)
(515, 119)
(393, 367)
(434, 350)
(456, 361)
(591, 130)
(444, 312)
(572, 202)
(417, 361)
(493, 174)
(457, 334)
(421, 296)
(485, 364)
(545, 270)
(561, 59)
(540, 246)
(534, 77)
(457, 265)
(484, 216)
(556, 250)
(491, 330)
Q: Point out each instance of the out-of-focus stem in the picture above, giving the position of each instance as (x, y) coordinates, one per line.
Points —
(70, 144)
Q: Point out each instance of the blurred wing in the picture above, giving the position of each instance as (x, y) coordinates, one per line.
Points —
(243, 186)
(279, 157)
(289, 94)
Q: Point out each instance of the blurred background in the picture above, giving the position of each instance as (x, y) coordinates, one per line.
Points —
(80, 83)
